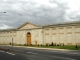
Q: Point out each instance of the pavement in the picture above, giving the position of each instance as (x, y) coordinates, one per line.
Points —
(38, 53)
(51, 49)
(54, 49)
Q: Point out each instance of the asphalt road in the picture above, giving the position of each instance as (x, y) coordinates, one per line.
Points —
(38, 54)
(11, 56)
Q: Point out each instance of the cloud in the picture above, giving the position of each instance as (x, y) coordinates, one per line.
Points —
(74, 15)
(35, 11)
(4, 27)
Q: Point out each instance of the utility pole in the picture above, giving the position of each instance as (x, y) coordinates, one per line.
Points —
(12, 43)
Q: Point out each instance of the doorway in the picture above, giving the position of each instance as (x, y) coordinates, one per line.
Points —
(28, 38)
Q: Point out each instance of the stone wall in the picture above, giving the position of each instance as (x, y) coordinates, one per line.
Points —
(69, 35)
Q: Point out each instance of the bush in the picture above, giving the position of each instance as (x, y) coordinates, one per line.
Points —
(49, 44)
(30, 44)
(52, 44)
(19, 44)
(46, 44)
(57, 44)
(38, 44)
(41, 44)
(76, 46)
(25, 44)
(63, 44)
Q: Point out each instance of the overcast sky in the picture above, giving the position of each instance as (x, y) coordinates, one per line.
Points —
(39, 12)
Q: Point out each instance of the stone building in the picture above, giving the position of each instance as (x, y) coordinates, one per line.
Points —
(28, 33)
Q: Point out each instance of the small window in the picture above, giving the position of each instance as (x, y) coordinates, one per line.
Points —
(77, 26)
(61, 28)
(69, 27)
(46, 29)
(53, 28)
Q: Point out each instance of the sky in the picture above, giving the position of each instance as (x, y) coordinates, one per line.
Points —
(40, 12)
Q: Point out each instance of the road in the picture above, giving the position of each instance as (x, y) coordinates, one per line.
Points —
(11, 56)
(39, 54)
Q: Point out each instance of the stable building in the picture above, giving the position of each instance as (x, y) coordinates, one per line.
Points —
(28, 33)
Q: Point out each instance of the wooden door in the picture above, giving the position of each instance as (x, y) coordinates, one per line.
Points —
(28, 38)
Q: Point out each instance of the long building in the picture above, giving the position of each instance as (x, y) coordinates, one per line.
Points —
(28, 33)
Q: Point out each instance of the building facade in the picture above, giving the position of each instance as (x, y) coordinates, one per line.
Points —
(28, 33)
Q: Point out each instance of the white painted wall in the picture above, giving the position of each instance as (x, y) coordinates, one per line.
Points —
(36, 36)
(66, 35)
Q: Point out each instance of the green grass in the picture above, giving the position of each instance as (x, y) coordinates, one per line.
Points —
(69, 47)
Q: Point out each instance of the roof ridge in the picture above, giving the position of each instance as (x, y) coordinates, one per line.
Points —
(63, 23)
(27, 23)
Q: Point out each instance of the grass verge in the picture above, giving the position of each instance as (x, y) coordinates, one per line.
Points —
(69, 47)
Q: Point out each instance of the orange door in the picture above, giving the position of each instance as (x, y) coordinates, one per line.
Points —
(28, 38)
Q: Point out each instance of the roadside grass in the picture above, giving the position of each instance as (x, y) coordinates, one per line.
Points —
(64, 47)
(69, 47)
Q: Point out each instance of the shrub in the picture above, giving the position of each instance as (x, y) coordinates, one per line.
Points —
(38, 44)
(52, 44)
(46, 44)
(63, 44)
(30, 44)
(76, 46)
(25, 44)
(41, 44)
(49, 44)
(57, 44)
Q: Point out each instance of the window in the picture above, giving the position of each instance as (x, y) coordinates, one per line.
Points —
(69, 30)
